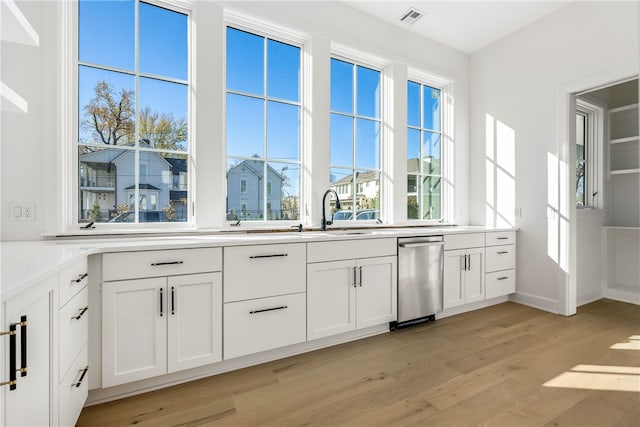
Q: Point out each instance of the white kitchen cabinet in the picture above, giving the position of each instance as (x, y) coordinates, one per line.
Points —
(500, 265)
(464, 277)
(160, 325)
(346, 295)
(28, 401)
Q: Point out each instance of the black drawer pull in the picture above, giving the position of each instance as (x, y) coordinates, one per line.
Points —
(268, 256)
(80, 278)
(282, 307)
(12, 358)
(23, 346)
(157, 264)
(503, 238)
(82, 312)
(502, 252)
(503, 278)
(79, 383)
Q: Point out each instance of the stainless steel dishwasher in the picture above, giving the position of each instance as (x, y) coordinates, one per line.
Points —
(420, 266)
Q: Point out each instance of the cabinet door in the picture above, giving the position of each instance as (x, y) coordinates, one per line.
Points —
(134, 334)
(474, 277)
(377, 291)
(28, 404)
(331, 298)
(195, 320)
(454, 271)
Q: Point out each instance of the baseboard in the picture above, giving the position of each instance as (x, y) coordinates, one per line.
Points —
(103, 395)
(470, 307)
(588, 298)
(621, 294)
(541, 303)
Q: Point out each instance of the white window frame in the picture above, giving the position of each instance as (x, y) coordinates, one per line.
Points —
(262, 28)
(69, 179)
(353, 56)
(447, 169)
(594, 139)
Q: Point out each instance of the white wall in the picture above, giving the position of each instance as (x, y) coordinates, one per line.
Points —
(521, 81)
(30, 142)
(589, 250)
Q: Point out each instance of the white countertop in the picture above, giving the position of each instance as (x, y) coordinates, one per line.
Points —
(24, 264)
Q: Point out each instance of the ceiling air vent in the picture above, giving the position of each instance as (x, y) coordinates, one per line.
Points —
(410, 16)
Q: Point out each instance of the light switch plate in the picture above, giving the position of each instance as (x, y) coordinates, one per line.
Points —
(22, 211)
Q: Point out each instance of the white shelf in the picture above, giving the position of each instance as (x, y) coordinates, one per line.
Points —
(623, 108)
(624, 171)
(623, 140)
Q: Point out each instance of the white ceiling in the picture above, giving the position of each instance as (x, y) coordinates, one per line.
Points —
(464, 25)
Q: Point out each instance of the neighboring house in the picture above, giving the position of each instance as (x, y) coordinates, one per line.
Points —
(107, 176)
(367, 185)
(245, 188)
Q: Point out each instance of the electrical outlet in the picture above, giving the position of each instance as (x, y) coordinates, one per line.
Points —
(22, 211)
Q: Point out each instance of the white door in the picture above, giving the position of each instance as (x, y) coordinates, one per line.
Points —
(474, 277)
(134, 330)
(28, 403)
(377, 291)
(454, 270)
(195, 320)
(331, 298)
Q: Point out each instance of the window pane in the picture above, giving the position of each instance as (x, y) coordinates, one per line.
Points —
(431, 108)
(106, 33)
(413, 210)
(341, 86)
(413, 144)
(283, 71)
(248, 205)
(163, 36)
(155, 186)
(431, 156)
(284, 200)
(245, 62)
(163, 114)
(413, 104)
(342, 183)
(245, 126)
(283, 131)
(178, 207)
(367, 195)
(98, 170)
(368, 92)
(341, 140)
(368, 144)
(106, 107)
(431, 197)
(580, 159)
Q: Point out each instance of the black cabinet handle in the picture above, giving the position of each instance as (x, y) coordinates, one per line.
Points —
(503, 277)
(80, 278)
(360, 271)
(282, 307)
(161, 301)
(12, 357)
(354, 277)
(23, 346)
(157, 264)
(502, 252)
(173, 291)
(469, 262)
(503, 238)
(268, 256)
(79, 315)
(84, 372)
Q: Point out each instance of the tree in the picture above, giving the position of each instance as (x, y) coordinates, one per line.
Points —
(95, 214)
(110, 116)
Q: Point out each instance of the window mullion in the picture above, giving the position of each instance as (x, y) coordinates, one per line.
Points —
(136, 97)
(264, 129)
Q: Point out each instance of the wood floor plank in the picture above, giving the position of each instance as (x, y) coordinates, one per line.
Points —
(492, 367)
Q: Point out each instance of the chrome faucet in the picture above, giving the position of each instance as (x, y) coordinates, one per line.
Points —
(324, 224)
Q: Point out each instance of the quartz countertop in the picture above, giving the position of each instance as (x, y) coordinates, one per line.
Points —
(24, 264)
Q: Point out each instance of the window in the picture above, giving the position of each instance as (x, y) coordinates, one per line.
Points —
(133, 114)
(589, 125)
(263, 116)
(424, 152)
(355, 135)
(243, 186)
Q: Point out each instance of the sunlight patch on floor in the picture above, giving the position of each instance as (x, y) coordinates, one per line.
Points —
(599, 377)
(633, 343)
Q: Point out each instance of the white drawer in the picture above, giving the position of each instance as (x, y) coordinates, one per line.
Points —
(463, 241)
(500, 283)
(500, 258)
(73, 322)
(143, 264)
(72, 279)
(351, 249)
(264, 270)
(263, 324)
(496, 238)
(73, 390)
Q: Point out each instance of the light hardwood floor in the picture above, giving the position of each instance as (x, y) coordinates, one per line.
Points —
(487, 367)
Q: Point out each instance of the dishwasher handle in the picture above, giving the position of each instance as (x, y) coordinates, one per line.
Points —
(419, 244)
